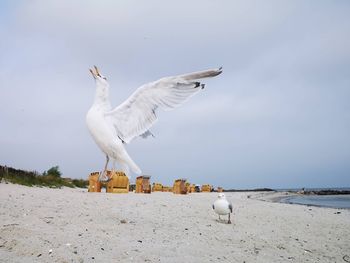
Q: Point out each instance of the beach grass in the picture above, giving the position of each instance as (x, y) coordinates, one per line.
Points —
(33, 178)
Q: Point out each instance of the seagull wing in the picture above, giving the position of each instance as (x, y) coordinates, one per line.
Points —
(137, 114)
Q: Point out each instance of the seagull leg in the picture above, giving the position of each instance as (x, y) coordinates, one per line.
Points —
(103, 175)
(219, 218)
(229, 219)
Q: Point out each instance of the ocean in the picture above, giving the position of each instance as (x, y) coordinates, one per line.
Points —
(334, 201)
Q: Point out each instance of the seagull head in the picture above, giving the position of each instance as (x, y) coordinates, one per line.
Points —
(221, 196)
(100, 79)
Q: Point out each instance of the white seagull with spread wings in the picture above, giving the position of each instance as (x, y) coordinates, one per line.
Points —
(111, 128)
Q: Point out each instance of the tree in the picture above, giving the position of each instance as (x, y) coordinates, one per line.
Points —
(54, 171)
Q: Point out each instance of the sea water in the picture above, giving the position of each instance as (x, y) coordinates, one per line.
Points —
(334, 201)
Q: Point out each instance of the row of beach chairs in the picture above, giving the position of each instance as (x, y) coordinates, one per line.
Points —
(119, 183)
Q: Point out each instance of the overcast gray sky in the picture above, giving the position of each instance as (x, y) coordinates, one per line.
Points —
(278, 116)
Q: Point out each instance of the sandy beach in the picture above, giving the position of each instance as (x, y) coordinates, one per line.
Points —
(72, 225)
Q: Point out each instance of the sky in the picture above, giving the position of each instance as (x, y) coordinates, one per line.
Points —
(278, 116)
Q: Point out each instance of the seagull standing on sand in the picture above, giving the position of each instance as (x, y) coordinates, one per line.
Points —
(223, 207)
(112, 128)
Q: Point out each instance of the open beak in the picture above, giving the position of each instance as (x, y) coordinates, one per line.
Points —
(96, 73)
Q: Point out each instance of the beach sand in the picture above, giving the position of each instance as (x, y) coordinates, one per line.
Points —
(72, 225)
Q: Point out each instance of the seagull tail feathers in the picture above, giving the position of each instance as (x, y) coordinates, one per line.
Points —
(127, 163)
(202, 74)
(135, 168)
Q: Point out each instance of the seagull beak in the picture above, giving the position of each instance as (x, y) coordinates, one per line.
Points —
(97, 72)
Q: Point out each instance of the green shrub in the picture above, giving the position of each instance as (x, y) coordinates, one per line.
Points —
(81, 183)
(51, 178)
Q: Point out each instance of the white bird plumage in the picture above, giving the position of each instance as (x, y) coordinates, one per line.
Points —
(223, 207)
(111, 128)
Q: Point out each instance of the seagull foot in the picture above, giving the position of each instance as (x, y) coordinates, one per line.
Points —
(104, 178)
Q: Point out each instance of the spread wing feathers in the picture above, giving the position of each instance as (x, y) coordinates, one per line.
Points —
(136, 115)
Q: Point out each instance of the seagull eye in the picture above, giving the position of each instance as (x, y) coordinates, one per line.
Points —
(104, 78)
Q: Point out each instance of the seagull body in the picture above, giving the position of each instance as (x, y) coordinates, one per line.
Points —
(112, 128)
(223, 207)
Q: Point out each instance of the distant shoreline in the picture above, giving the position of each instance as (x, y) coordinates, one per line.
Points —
(324, 200)
(325, 191)
(251, 190)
